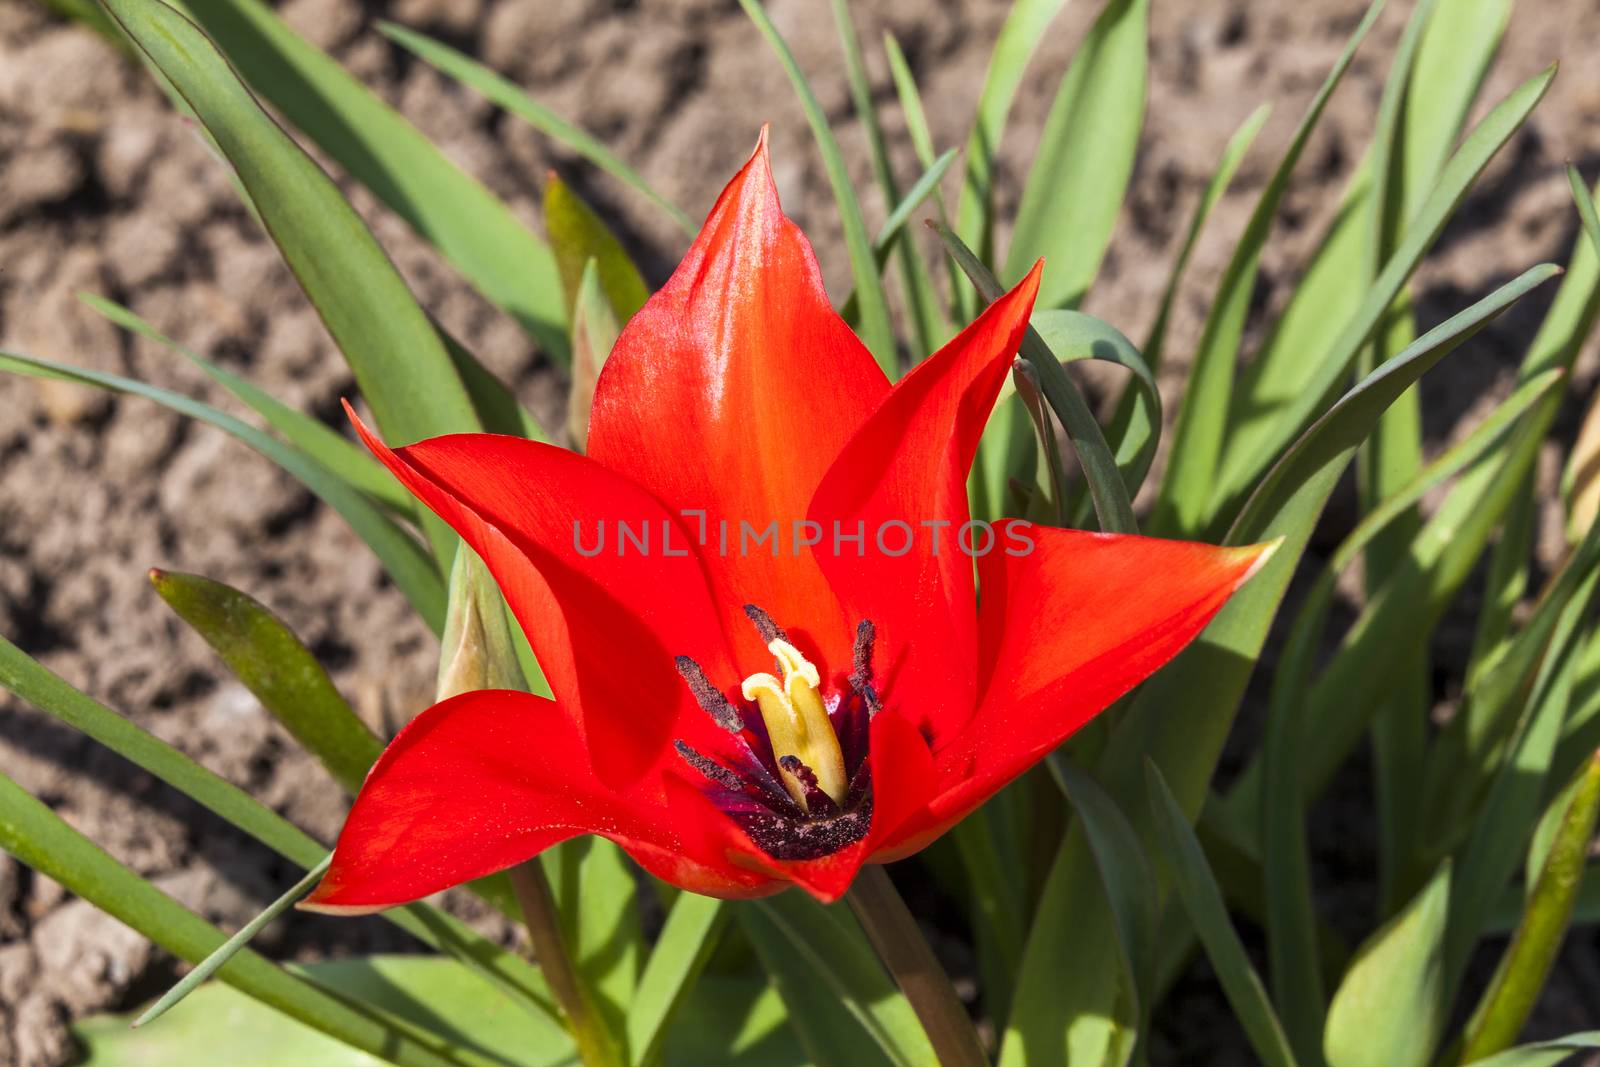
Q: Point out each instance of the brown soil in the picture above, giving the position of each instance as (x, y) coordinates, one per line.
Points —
(102, 188)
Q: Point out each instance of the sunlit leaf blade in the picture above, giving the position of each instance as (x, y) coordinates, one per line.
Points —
(1511, 809)
(1349, 421)
(1207, 680)
(1072, 336)
(30, 681)
(1276, 416)
(1129, 885)
(822, 1021)
(1111, 501)
(473, 229)
(506, 94)
(231, 947)
(578, 236)
(1084, 158)
(594, 331)
(1390, 1008)
(1446, 551)
(1201, 898)
(393, 350)
(1544, 1053)
(673, 969)
(1584, 199)
(1510, 998)
(497, 406)
(926, 319)
(217, 1017)
(1202, 425)
(838, 960)
(891, 235)
(39, 838)
(339, 454)
(401, 555)
(873, 307)
(596, 894)
(1020, 35)
(281, 672)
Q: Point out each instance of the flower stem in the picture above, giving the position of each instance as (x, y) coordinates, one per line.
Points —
(894, 934)
(597, 1047)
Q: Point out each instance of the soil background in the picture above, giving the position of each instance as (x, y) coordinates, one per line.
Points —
(103, 188)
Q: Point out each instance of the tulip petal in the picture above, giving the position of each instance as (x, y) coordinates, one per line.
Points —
(730, 393)
(473, 785)
(607, 624)
(903, 475)
(1066, 629)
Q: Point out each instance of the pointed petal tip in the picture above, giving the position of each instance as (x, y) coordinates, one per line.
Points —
(1259, 556)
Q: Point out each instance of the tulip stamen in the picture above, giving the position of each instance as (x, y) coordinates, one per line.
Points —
(861, 670)
(818, 803)
(709, 697)
(769, 630)
(714, 771)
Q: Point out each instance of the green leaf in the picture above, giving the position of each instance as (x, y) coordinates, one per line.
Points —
(492, 399)
(1207, 680)
(33, 683)
(596, 894)
(1184, 505)
(839, 963)
(231, 947)
(1130, 888)
(1586, 210)
(1111, 502)
(824, 1023)
(477, 233)
(1511, 809)
(340, 455)
(217, 1016)
(1336, 434)
(360, 296)
(1545, 1053)
(281, 672)
(39, 838)
(1073, 336)
(927, 320)
(1390, 1008)
(1510, 999)
(1084, 158)
(1197, 888)
(694, 925)
(594, 334)
(402, 557)
(506, 94)
(1020, 34)
(577, 236)
(873, 307)
(1271, 420)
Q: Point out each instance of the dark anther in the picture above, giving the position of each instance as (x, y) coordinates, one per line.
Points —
(713, 770)
(769, 630)
(709, 697)
(819, 805)
(861, 671)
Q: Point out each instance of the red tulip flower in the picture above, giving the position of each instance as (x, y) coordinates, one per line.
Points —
(778, 648)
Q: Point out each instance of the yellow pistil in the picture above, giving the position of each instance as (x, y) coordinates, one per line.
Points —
(798, 724)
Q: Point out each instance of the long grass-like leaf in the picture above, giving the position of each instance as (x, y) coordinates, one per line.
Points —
(38, 837)
(1202, 424)
(380, 148)
(873, 307)
(404, 559)
(1084, 158)
(508, 95)
(1197, 888)
(687, 939)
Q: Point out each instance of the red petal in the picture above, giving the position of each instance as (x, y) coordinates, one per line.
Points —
(606, 627)
(731, 392)
(908, 465)
(473, 785)
(1068, 628)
